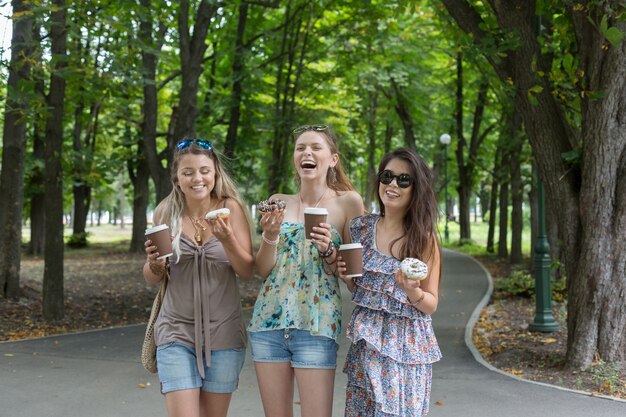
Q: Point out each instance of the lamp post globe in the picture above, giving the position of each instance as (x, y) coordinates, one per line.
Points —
(445, 139)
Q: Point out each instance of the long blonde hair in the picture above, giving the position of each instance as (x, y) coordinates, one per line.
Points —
(172, 208)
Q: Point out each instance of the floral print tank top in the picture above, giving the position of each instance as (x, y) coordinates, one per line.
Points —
(298, 293)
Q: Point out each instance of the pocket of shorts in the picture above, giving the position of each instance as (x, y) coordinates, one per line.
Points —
(165, 346)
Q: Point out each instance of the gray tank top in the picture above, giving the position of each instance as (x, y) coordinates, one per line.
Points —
(202, 306)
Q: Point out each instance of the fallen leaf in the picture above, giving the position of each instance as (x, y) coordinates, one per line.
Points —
(549, 340)
(141, 385)
(440, 403)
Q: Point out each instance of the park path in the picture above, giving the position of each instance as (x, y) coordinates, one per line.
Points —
(98, 373)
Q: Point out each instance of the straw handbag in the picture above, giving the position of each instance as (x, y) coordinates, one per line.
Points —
(148, 351)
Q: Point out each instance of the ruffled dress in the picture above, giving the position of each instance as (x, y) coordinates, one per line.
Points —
(389, 365)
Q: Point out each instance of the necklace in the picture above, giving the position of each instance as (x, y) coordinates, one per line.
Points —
(199, 228)
(301, 203)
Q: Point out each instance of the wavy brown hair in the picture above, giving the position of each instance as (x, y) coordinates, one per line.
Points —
(420, 221)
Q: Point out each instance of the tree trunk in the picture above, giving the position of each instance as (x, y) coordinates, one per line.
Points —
(493, 202)
(591, 194)
(139, 176)
(53, 297)
(36, 179)
(238, 76)
(369, 194)
(466, 162)
(192, 49)
(503, 219)
(517, 190)
(286, 87)
(405, 116)
(14, 150)
(149, 59)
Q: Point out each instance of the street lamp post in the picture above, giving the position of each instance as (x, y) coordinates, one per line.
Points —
(445, 141)
(544, 320)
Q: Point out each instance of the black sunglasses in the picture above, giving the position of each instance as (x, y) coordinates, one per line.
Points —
(403, 180)
(304, 128)
(203, 143)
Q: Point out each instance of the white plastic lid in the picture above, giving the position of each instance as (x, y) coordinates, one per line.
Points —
(315, 210)
(156, 229)
(346, 246)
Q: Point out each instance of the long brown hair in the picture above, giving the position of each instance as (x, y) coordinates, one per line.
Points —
(336, 178)
(420, 220)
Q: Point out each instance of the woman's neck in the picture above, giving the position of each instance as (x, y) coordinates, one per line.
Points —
(393, 221)
(197, 209)
(312, 193)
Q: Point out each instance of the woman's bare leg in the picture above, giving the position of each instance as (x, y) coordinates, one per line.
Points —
(316, 387)
(276, 386)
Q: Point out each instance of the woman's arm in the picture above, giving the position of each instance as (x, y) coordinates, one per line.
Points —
(266, 255)
(234, 234)
(424, 295)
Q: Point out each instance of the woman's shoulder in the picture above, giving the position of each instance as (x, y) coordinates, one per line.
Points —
(349, 196)
(364, 220)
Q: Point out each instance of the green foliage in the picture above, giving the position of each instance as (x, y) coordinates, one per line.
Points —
(607, 375)
(78, 240)
(518, 283)
(521, 283)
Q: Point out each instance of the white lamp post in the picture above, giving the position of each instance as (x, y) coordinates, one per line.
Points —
(445, 141)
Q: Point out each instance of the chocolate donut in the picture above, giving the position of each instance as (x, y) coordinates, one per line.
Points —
(266, 206)
(414, 269)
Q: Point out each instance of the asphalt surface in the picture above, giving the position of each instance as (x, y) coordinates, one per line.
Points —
(99, 374)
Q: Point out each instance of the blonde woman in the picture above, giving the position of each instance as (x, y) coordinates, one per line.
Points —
(199, 332)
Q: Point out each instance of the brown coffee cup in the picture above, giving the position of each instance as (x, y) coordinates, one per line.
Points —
(160, 237)
(313, 216)
(352, 254)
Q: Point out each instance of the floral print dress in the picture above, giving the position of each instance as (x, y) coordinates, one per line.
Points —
(389, 365)
(298, 293)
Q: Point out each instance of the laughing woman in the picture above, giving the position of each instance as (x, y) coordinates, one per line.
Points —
(297, 317)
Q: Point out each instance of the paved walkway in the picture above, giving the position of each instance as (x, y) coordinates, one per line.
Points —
(98, 374)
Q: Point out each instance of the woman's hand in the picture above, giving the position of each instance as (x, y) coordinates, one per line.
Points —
(408, 285)
(270, 223)
(221, 229)
(321, 237)
(157, 266)
(341, 272)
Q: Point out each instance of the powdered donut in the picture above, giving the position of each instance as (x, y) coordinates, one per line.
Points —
(414, 269)
(266, 206)
(223, 213)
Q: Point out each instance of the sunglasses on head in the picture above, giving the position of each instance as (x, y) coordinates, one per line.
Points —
(203, 143)
(304, 128)
(403, 180)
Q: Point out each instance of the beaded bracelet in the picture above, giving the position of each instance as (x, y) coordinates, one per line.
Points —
(270, 242)
(329, 251)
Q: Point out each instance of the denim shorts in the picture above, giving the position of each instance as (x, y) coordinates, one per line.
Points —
(177, 367)
(298, 347)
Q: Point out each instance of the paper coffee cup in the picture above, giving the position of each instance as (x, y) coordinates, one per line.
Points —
(160, 237)
(352, 254)
(313, 216)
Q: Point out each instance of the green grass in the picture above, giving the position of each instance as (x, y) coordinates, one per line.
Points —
(478, 243)
(102, 240)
